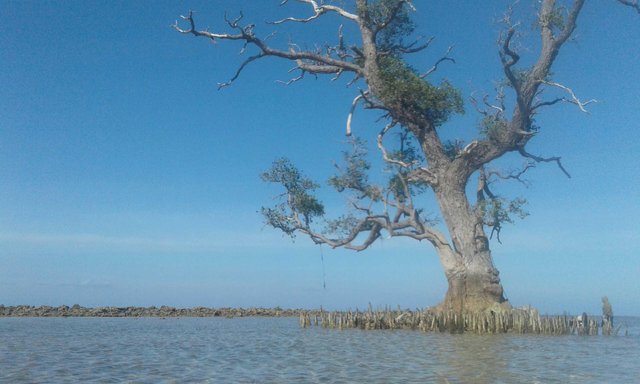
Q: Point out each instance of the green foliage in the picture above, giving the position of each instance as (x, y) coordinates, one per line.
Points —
(407, 152)
(403, 87)
(555, 19)
(299, 200)
(353, 175)
(401, 25)
(342, 226)
(499, 210)
(399, 181)
(493, 126)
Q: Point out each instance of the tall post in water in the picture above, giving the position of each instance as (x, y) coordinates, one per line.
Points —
(607, 316)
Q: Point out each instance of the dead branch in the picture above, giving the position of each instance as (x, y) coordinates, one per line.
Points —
(308, 61)
(239, 70)
(499, 109)
(383, 150)
(574, 99)
(631, 3)
(539, 159)
(413, 47)
(354, 104)
(446, 57)
(548, 103)
(516, 175)
(293, 79)
(318, 10)
(476, 106)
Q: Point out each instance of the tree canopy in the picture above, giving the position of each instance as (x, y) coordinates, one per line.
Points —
(417, 108)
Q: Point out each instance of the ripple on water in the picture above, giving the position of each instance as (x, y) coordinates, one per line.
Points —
(267, 350)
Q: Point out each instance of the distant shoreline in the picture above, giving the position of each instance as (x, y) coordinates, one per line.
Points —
(163, 311)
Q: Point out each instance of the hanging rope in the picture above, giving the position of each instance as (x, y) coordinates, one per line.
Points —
(324, 275)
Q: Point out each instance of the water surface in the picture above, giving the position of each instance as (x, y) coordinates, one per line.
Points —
(276, 350)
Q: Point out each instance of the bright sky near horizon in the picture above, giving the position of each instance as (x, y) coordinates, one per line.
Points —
(126, 178)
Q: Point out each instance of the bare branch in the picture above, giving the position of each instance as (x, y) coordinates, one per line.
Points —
(293, 79)
(337, 76)
(474, 102)
(539, 159)
(354, 80)
(318, 10)
(509, 58)
(234, 23)
(435, 66)
(517, 175)
(407, 49)
(499, 109)
(385, 155)
(242, 66)
(308, 61)
(548, 103)
(631, 3)
(192, 30)
(574, 98)
(372, 104)
(354, 104)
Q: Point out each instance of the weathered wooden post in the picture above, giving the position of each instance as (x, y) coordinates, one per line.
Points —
(607, 317)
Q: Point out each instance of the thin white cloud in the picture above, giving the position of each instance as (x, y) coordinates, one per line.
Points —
(98, 242)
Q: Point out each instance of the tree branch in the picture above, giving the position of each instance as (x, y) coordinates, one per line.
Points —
(517, 175)
(242, 66)
(574, 98)
(631, 3)
(509, 58)
(318, 10)
(312, 62)
(515, 134)
(383, 150)
(539, 159)
(293, 79)
(413, 48)
(392, 15)
(373, 225)
(435, 66)
(354, 104)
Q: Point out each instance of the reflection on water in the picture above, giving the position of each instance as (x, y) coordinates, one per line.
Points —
(261, 350)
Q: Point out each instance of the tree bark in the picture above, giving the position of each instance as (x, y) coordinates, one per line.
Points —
(474, 282)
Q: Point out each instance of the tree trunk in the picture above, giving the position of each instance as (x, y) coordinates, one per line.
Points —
(474, 283)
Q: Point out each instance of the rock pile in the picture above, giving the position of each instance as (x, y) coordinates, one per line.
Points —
(163, 311)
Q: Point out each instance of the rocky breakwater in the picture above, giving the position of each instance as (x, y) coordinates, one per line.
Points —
(163, 311)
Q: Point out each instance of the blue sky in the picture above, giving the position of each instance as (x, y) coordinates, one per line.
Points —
(126, 178)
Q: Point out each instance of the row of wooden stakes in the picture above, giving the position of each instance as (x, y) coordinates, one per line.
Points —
(520, 321)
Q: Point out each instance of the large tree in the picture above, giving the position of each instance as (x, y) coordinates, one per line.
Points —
(421, 160)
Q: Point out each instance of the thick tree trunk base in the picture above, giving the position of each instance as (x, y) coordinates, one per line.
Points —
(474, 293)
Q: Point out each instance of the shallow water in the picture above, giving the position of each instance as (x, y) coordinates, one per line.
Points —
(276, 350)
